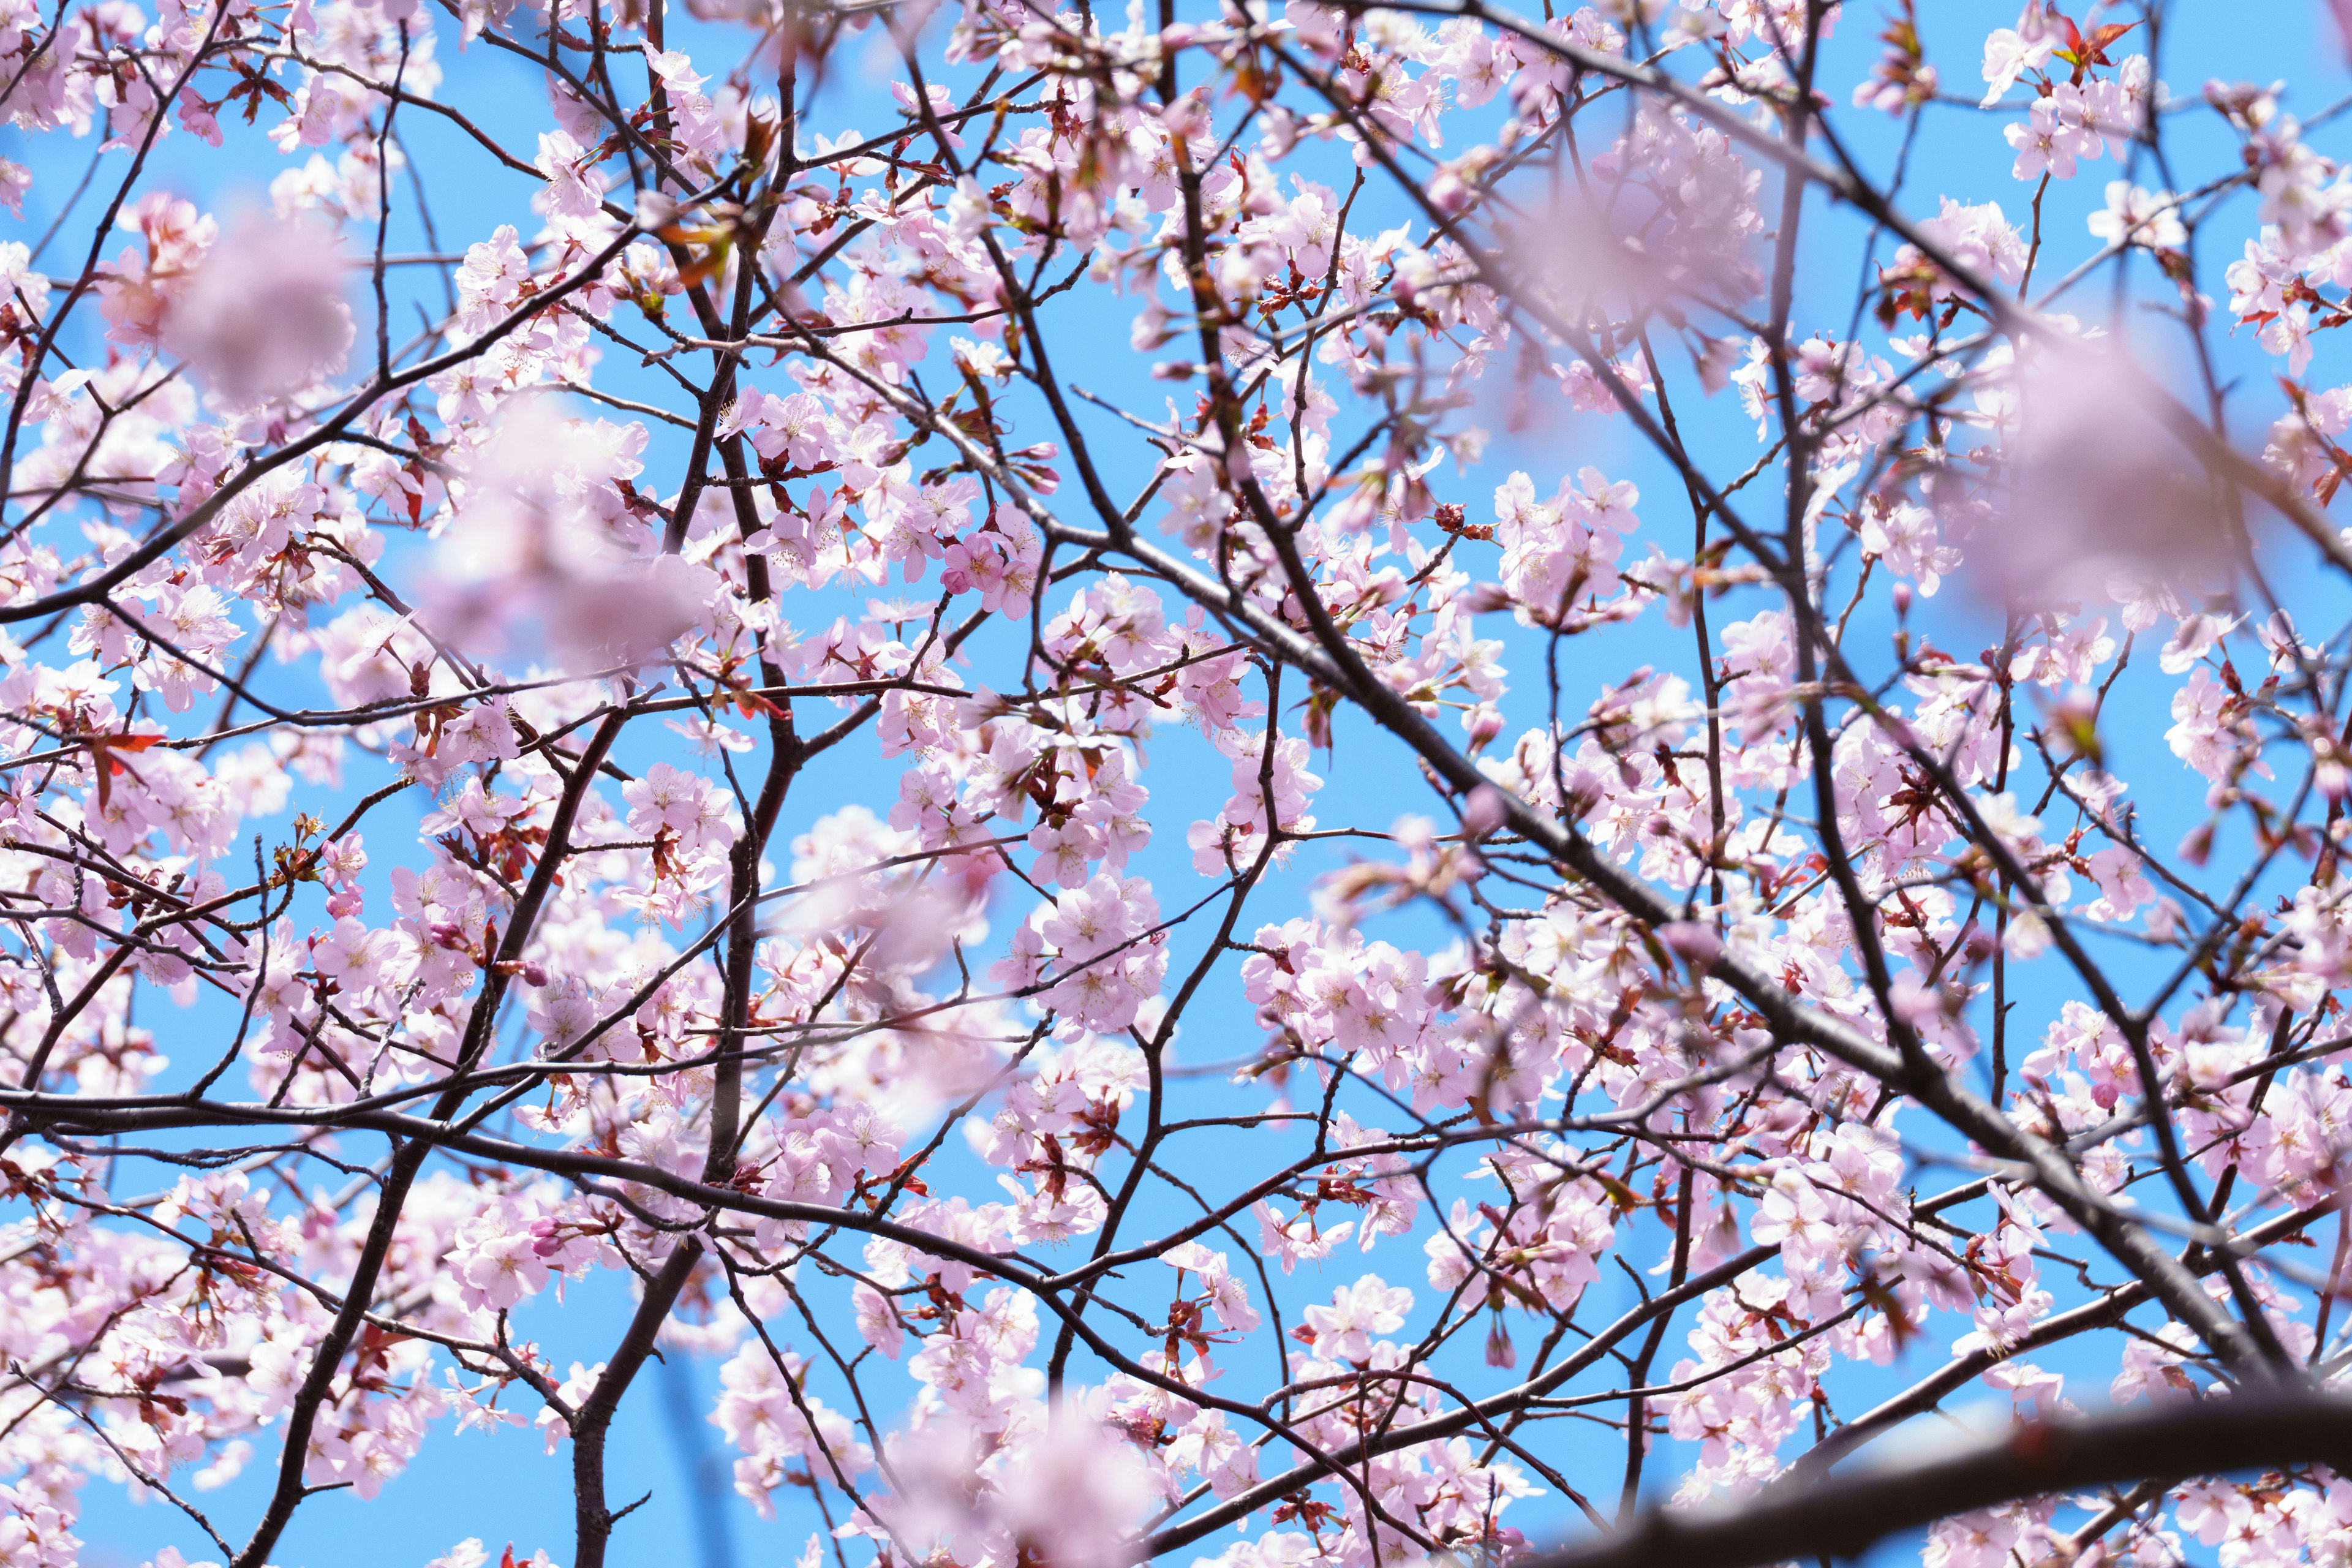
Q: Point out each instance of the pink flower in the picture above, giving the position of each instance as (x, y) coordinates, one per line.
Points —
(1371, 1308)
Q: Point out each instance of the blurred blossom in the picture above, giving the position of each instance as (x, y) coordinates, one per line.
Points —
(1670, 212)
(264, 313)
(2090, 497)
(1066, 1496)
(545, 539)
(1581, 262)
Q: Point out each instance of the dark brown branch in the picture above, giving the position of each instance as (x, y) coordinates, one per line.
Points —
(1846, 1517)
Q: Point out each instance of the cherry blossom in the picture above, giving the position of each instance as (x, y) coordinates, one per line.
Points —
(1288, 784)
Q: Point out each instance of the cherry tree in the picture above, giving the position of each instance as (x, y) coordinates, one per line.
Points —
(1285, 785)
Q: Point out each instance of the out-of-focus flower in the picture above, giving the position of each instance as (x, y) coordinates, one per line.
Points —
(545, 539)
(1066, 1497)
(2091, 493)
(264, 314)
(1671, 213)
